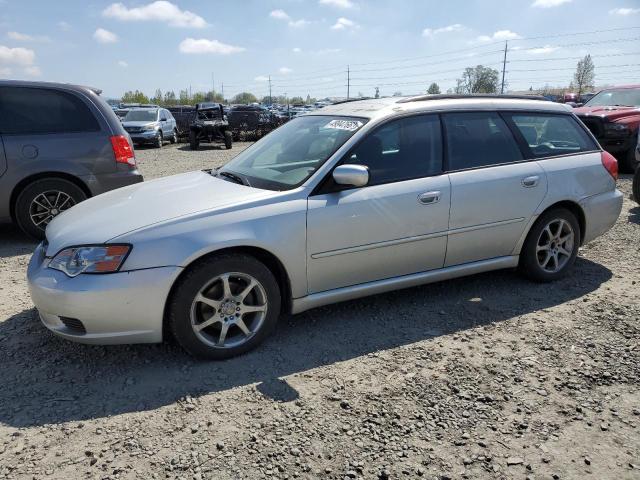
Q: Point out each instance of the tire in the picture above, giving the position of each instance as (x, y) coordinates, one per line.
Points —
(206, 278)
(636, 186)
(228, 139)
(194, 142)
(532, 261)
(628, 162)
(159, 140)
(174, 138)
(42, 200)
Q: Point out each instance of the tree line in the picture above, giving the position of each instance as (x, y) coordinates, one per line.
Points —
(170, 99)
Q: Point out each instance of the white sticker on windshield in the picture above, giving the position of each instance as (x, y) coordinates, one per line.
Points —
(349, 125)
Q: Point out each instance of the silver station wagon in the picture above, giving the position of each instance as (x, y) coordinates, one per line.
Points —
(356, 199)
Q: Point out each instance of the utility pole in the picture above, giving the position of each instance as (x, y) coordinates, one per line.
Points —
(213, 86)
(222, 92)
(504, 66)
(270, 100)
(348, 81)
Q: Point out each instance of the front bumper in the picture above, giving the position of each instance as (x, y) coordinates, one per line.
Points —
(116, 308)
(145, 136)
(601, 212)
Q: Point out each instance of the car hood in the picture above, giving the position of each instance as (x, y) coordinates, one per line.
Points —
(611, 113)
(138, 124)
(104, 217)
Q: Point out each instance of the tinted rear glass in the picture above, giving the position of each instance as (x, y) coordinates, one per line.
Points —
(550, 135)
(26, 110)
(479, 139)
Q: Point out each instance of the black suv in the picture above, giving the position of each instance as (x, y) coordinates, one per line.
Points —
(59, 144)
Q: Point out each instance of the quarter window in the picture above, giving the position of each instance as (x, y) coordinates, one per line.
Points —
(25, 110)
(401, 150)
(479, 139)
(550, 135)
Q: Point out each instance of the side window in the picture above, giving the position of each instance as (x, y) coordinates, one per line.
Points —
(548, 135)
(25, 110)
(401, 150)
(479, 139)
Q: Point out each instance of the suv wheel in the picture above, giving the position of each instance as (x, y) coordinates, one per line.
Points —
(39, 202)
(194, 142)
(159, 140)
(551, 246)
(174, 137)
(228, 139)
(226, 305)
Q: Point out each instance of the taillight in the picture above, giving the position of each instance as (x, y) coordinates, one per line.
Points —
(610, 164)
(122, 150)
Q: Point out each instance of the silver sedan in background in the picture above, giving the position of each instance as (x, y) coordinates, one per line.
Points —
(355, 199)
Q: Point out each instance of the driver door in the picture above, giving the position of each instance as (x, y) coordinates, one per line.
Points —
(397, 224)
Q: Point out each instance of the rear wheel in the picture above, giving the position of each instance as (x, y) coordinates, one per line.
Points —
(194, 142)
(551, 246)
(228, 139)
(42, 200)
(226, 305)
(636, 186)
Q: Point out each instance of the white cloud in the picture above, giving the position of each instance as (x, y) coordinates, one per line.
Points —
(159, 11)
(23, 37)
(542, 50)
(123, 64)
(338, 3)
(456, 27)
(624, 11)
(279, 15)
(498, 36)
(104, 36)
(5, 71)
(16, 56)
(261, 78)
(344, 24)
(32, 71)
(202, 45)
(284, 70)
(64, 26)
(327, 51)
(549, 3)
(282, 15)
(297, 50)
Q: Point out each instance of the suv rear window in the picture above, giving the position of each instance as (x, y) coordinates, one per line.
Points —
(26, 110)
(548, 135)
(479, 139)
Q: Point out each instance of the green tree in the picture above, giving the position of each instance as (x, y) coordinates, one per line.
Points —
(213, 97)
(244, 98)
(134, 97)
(169, 98)
(433, 89)
(183, 97)
(478, 79)
(296, 100)
(158, 99)
(585, 74)
(198, 97)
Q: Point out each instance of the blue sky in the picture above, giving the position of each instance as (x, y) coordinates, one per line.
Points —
(306, 45)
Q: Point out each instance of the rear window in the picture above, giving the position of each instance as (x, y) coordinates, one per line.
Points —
(479, 139)
(25, 110)
(548, 135)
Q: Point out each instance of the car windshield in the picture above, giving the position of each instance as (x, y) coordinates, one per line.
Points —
(289, 155)
(624, 96)
(141, 116)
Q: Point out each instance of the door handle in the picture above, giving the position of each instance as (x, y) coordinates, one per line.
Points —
(531, 181)
(429, 198)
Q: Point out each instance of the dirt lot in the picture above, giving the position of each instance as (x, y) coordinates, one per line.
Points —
(484, 377)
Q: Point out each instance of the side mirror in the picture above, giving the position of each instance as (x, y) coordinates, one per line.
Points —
(163, 119)
(352, 175)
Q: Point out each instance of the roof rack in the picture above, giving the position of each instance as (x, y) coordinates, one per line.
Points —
(351, 100)
(447, 96)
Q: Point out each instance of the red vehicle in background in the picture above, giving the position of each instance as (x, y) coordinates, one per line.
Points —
(613, 115)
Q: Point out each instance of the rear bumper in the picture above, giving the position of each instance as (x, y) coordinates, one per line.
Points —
(106, 182)
(124, 307)
(601, 212)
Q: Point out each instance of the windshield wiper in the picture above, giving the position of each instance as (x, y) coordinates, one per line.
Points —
(234, 177)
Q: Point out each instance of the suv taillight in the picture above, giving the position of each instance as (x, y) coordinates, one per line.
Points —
(122, 150)
(610, 164)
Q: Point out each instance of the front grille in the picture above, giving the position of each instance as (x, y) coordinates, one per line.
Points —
(133, 129)
(594, 124)
(74, 324)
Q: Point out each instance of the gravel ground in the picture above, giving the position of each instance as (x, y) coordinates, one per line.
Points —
(489, 376)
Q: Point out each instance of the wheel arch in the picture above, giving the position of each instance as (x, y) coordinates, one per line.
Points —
(22, 184)
(271, 261)
(576, 209)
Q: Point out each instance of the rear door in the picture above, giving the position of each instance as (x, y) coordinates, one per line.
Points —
(494, 190)
(51, 130)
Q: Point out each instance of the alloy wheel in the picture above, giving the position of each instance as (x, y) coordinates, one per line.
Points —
(555, 245)
(229, 310)
(47, 205)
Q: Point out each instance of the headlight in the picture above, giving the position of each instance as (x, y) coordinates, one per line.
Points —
(90, 259)
(616, 128)
(149, 127)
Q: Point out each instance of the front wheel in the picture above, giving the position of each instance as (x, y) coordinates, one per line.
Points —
(224, 306)
(159, 140)
(174, 138)
(551, 246)
(228, 139)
